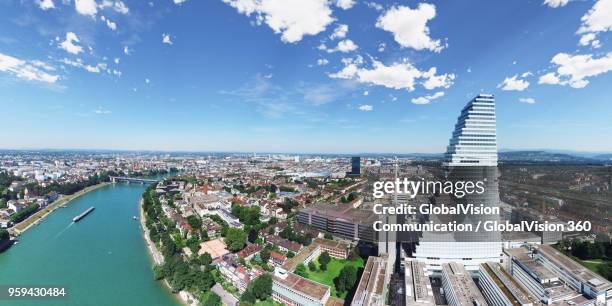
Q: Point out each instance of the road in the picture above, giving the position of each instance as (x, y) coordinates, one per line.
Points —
(226, 298)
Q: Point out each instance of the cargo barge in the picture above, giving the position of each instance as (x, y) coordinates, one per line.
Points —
(81, 216)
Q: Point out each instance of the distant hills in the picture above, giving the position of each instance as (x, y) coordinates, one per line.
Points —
(554, 157)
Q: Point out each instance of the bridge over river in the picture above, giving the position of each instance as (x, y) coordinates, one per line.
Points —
(115, 179)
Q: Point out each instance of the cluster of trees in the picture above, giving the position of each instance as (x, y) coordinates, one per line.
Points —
(4, 236)
(346, 279)
(249, 216)
(194, 274)
(6, 179)
(235, 239)
(24, 213)
(72, 187)
(288, 205)
(300, 270)
(346, 199)
(586, 250)
(290, 234)
(259, 289)
(324, 259)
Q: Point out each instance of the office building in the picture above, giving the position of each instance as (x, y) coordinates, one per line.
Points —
(418, 286)
(340, 220)
(541, 282)
(500, 289)
(459, 288)
(471, 156)
(578, 277)
(372, 287)
(355, 167)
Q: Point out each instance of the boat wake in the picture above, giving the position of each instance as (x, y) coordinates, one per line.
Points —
(65, 229)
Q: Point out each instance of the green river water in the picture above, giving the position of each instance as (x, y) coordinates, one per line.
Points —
(102, 260)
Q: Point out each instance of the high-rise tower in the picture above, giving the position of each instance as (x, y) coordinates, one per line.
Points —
(471, 156)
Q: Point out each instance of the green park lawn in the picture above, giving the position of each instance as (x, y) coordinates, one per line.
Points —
(592, 264)
(333, 270)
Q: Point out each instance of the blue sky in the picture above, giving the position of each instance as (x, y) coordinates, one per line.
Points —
(302, 76)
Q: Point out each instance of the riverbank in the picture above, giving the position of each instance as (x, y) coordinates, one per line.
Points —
(184, 297)
(38, 216)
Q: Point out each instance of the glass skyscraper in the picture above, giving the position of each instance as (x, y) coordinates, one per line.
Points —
(471, 156)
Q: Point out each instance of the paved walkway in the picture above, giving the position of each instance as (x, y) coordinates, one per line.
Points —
(226, 298)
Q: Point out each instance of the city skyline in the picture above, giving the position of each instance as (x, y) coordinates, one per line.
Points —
(348, 77)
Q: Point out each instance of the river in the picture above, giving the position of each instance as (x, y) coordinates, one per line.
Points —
(102, 260)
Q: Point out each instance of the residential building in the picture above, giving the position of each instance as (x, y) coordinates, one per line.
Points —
(293, 290)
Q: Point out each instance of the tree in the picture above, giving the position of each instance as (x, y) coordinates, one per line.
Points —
(248, 297)
(311, 266)
(194, 222)
(346, 279)
(205, 259)
(210, 299)
(301, 270)
(235, 239)
(158, 272)
(4, 235)
(253, 235)
(328, 236)
(324, 259)
(290, 254)
(264, 255)
(262, 286)
(354, 254)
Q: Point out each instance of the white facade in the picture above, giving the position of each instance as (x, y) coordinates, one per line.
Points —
(474, 141)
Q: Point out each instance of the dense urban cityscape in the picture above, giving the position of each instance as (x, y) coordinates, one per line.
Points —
(305, 153)
(267, 229)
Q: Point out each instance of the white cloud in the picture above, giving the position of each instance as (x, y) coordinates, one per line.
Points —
(573, 70)
(339, 32)
(434, 81)
(101, 111)
(556, 3)
(381, 47)
(89, 68)
(27, 70)
(120, 7)
(46, 4)
(427, 99)
(345, 4)
(344, 46)
(396, 76)
(111, 25)
(166, 39)
(513, 83)
(126, 50)
(527, 100)
(365, 93)
(375, 6)
(179, 2)
(117, 60)
(291, 18)
(549, 78)
(409, 27)
(147, 81)
(597, 19)
(366, 108)
(86, 7)
(70, 44)
(322, 62)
